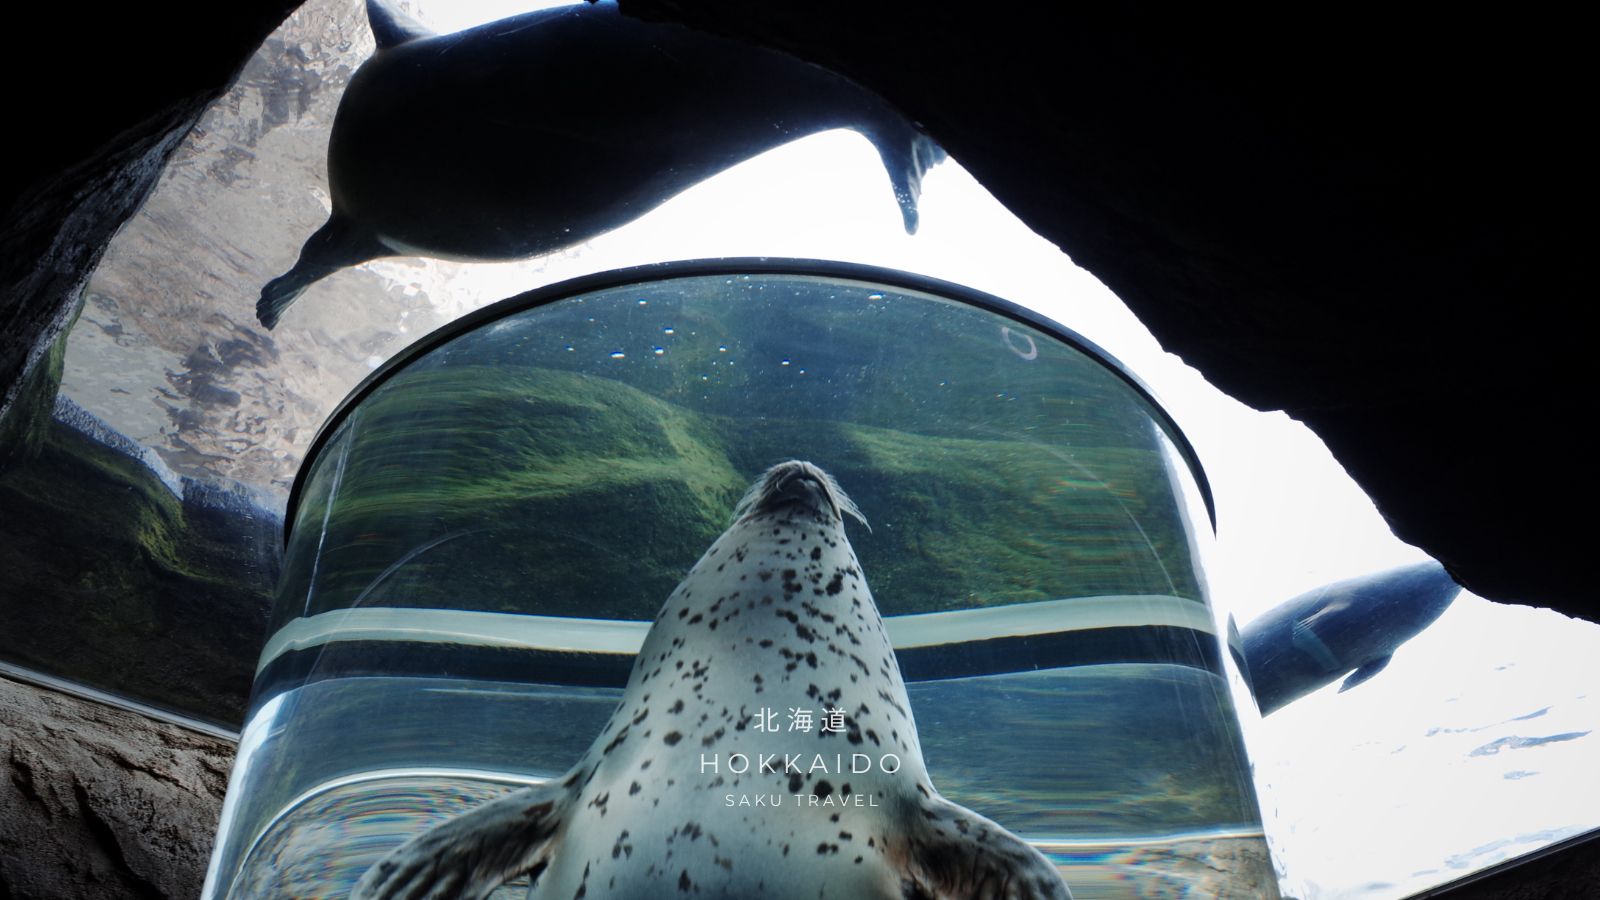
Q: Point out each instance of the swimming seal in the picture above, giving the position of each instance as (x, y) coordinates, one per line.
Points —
(774, 618)
(543, 130)
(1316, 638)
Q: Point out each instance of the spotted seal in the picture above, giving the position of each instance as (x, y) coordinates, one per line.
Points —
(775, 617)
(543, 130)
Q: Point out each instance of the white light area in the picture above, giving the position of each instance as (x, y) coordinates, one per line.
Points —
(1355, 791)
(1377, 789)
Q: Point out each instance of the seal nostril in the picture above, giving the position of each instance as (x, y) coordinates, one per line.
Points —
(796, 482)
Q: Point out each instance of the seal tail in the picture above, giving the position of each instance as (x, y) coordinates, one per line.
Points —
(907, 154)
(338, 243)
(391, 27)
(474, 853)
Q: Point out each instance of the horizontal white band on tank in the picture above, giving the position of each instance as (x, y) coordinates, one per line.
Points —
(87, 692)
(558, 633)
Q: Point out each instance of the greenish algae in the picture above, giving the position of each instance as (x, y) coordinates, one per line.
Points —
(108, 582)
(534, 490)
(25, 425)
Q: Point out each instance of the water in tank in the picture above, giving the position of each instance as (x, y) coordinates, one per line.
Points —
(483, 533)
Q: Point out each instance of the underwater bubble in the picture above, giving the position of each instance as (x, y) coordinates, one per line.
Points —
(658, 350)
(874, 296)
(784, 363)
(643, 302)
(618, 354)
(568, 348)
(668, 330)
(723, 349)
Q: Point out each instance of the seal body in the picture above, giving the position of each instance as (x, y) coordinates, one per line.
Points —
(775, 618)
(1316, 638)
(537, 132)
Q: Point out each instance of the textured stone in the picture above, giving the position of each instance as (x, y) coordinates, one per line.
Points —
(100, 802)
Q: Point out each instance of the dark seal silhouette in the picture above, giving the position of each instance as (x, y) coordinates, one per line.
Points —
(1349, 627)
(536, 132)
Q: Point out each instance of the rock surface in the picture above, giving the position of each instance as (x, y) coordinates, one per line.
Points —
(99, 802)
(93, 153)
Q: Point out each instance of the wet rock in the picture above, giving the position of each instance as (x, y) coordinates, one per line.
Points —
(99, 802)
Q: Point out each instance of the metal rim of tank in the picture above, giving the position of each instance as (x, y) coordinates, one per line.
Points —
(729, 266)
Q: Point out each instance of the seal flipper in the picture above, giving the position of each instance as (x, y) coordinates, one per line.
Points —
(474, 853)
(955, 853)
(1366, 671)
(907, 154)
(391, 27)
(338, 243)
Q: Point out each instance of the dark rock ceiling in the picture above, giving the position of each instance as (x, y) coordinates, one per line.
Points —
(1360, 215)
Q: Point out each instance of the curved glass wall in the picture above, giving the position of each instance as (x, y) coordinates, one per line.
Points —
(482, 535)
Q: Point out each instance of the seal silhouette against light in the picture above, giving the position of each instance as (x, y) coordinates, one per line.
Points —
(1316, 638)
(775, 616)
(543, 130)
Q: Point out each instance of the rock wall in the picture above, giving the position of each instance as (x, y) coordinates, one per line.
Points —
(98, 802)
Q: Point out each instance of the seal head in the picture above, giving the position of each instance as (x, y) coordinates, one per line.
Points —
(797, 483)
(690, 789)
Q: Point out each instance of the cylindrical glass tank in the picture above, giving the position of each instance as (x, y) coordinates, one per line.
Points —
(482, 535)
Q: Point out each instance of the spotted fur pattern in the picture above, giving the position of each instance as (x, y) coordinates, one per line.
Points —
(775, 616)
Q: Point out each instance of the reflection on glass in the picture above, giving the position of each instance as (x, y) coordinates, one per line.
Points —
(480, 542)
(120, 575)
